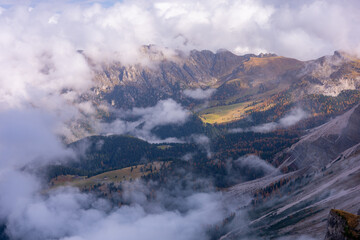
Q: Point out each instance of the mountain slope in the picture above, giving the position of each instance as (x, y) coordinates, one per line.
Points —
(297, 203)
(244, 84)
(144, 85)
(323, 143)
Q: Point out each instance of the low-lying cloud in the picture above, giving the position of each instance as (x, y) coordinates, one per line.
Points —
(199, 94)
(28, 137)
(30, 211)
(165, 112)
(293, 117)
(255, 163)
(68, 214)
(203, 141)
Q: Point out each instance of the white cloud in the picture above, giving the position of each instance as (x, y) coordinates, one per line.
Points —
(69, 214)
(293, 117)
(199, 93)
(31, 211)
(255, 163)
(290, 119)
(304, 29)
(27, 139)
(165, 112)
(203, 141)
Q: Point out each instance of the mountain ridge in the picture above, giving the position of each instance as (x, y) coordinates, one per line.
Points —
(243, 83)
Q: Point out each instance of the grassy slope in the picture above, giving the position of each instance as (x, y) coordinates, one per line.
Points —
(249, 96)
(115, 176)
(230, 113)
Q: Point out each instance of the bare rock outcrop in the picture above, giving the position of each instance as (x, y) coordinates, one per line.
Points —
(342, 225)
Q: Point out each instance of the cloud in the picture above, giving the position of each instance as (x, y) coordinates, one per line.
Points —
(203, 141)
(267, 127)
(187, 157)
(255, 163)
(29, 210)
(27, 137)
(27, 144)
(41, 70)
(69, 214)
(165, 112)
(293, 117)
(305, 29)
(199, 93)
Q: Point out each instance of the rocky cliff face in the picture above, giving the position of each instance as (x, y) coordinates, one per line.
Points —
(332, 74)
(236, 77)
(342, 225)
(145, 84)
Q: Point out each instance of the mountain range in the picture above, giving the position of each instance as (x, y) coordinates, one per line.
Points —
(256, 80)
(301, 117)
